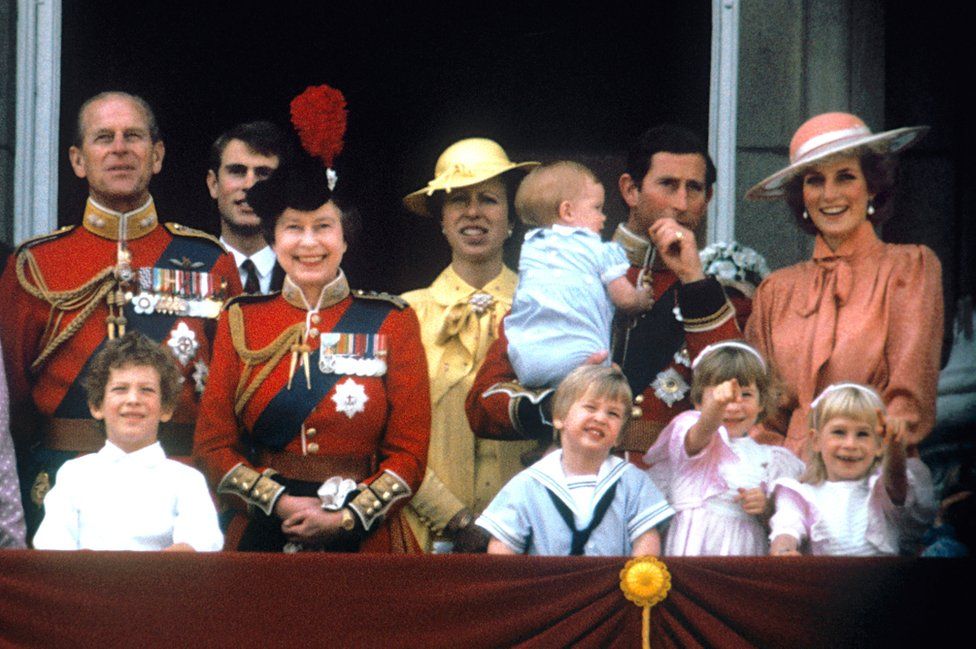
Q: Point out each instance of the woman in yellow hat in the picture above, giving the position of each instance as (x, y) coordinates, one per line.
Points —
(860, 310)
(471, 193)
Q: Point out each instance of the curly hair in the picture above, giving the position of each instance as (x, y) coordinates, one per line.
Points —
(133, 350)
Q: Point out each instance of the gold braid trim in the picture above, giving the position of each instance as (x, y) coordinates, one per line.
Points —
(269, 355)
(86, 297)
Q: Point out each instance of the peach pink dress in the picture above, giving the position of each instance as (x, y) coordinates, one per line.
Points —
(869, 312)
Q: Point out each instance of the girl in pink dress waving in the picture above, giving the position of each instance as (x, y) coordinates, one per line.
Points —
(862, 495)
(716, 477)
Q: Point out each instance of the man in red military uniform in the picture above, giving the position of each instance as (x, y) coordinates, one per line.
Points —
(667, 186)
(67, 292)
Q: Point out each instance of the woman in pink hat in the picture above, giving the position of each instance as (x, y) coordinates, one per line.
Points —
(860, 310)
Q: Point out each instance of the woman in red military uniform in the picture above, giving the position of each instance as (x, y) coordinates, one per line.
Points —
(317, 410)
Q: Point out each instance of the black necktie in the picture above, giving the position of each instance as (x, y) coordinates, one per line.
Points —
(251, 284)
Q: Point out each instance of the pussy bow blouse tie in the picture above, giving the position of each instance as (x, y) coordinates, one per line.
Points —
(830, 291)
(460, 336)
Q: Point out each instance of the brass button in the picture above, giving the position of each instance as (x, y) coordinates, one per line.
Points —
(639, 399)
(313, 447)
(316, 318)
(636, 413)
(313, 332)
(310, 432)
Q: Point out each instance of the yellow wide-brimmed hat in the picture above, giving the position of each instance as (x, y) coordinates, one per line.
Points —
(831, 134)
(464, 163)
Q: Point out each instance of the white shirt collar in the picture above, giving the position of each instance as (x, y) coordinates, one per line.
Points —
(264, 259)
(147, 455)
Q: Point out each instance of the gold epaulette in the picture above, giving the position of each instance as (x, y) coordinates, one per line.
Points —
(395, 300)
(179, 230)
(249, 298)
(50, 236)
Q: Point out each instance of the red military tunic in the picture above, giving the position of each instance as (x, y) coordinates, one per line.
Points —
(498, 408)
(383, 418)
(63, 294)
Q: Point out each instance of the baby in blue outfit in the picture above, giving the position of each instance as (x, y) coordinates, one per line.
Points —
(569, 279)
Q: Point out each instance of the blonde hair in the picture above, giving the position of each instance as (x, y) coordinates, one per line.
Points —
(541, 193)
(598, 381)
(724, 362)
(851, 400)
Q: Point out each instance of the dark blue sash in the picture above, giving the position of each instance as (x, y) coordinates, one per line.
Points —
(282, 419)
(156, 326)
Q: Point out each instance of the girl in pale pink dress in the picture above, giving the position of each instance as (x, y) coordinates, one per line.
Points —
(861, 494)
(716, 477)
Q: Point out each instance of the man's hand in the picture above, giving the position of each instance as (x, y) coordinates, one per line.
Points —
(677, 249)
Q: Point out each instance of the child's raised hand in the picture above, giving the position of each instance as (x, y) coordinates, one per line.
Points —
(722, 395)
(893, 430)
(713, 402)
(753, 501)
(894, 437)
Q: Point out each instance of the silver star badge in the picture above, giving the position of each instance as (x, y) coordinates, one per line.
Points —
(350, 398)
(669, 386)
(183, 342)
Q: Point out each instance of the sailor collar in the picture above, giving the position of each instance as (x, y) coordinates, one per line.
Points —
(118, 226)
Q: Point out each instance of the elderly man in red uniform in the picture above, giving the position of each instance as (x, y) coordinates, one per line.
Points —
(69, 291)
(667, 186)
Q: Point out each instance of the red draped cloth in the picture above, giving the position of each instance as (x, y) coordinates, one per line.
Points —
(52, 599)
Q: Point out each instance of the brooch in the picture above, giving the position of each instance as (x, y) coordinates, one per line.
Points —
(481, 302)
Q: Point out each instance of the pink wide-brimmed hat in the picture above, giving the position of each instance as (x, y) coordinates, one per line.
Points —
(830, 134)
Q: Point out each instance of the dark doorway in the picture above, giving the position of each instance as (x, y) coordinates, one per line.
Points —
(576, 81)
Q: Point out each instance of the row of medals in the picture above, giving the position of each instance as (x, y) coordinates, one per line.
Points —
(350, 364)
(193, 303)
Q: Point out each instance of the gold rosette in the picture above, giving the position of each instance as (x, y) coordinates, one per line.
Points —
(645, 581)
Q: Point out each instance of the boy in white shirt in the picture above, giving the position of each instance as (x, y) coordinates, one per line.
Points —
(129, 496)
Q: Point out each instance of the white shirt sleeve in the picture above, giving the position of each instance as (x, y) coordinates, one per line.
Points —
(60, 529)
(196, 518)
(791, 514)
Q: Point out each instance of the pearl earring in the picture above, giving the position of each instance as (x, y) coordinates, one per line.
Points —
(510, 231)
(871, 207)
(806, 215)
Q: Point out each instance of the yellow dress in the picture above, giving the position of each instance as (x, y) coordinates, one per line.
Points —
(458, 323)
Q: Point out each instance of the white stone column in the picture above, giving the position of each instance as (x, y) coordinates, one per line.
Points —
(723, 97)
(37, 113)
